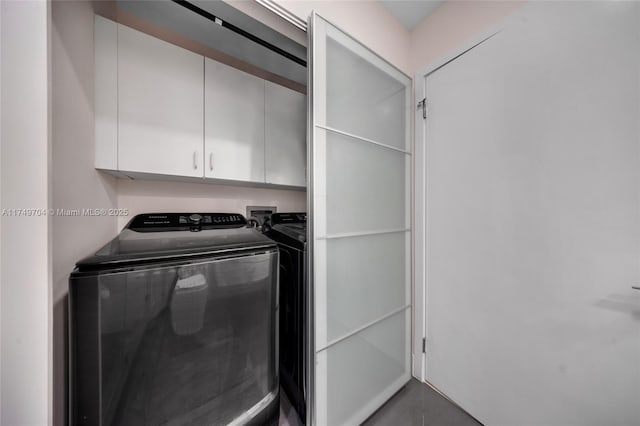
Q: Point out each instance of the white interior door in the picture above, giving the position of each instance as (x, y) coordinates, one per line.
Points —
(533, 219)
(360, 228)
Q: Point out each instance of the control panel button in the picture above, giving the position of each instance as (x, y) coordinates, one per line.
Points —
(195, 218)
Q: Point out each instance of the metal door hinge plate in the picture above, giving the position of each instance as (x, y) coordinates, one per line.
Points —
(423, 104)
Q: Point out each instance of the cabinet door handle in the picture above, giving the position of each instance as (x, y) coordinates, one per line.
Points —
(195, 160)
(211, 161)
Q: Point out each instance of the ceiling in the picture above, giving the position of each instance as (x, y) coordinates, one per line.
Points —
(410, 12)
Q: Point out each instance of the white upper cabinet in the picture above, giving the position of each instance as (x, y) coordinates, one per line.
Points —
(160, 106)
(234, 124)
(105, 89)
(163, 111)
(285, 135)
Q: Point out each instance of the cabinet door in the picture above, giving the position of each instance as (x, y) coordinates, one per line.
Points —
(160, 106)
(285, 135)
(234, 124)
(105, 92)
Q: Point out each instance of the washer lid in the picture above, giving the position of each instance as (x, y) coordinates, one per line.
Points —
(297, 231)
(288, 218)
(132, 246)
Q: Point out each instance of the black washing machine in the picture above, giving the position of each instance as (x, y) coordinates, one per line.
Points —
(175, 322)
(289, 230)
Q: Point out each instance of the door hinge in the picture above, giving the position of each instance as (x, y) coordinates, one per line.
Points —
(424, 345)
(423, 104)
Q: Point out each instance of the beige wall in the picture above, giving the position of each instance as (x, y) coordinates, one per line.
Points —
(448, 28)
(367, 21)
(75, 182)
(141, 196)
(452, 25)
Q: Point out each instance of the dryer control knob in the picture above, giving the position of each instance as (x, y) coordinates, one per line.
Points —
(195, 218)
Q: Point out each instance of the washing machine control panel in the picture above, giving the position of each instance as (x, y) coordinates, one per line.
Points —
(287, 218)
(158, 222)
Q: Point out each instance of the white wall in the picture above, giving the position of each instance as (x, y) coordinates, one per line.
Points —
(25, 253)
(367, 21)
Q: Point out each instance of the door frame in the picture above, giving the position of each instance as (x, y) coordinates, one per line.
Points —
(420, 197)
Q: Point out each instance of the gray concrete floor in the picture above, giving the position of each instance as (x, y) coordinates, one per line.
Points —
(418, 405)
(414, 405)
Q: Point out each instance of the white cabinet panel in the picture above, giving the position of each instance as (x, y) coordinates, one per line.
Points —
(285, 135)
(234, 124)
(160, 106)
(106, 93)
